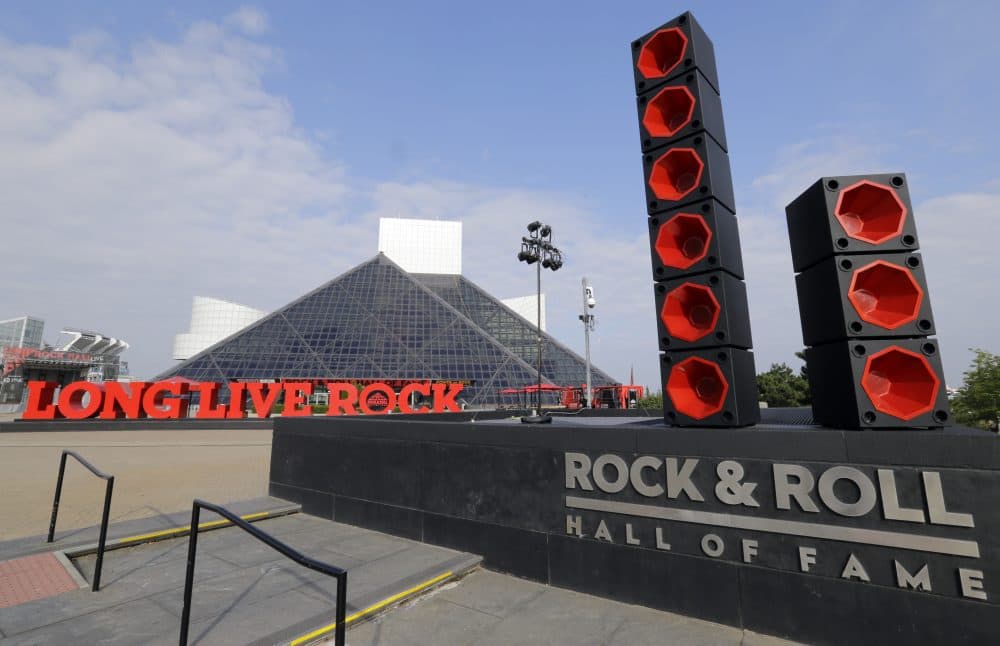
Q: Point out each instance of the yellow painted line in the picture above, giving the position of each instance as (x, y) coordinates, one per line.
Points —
(319, 632)
(174, 531)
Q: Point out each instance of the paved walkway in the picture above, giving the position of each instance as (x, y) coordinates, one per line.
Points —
(247, 593)
(156, 472)
(244, 590)
(490, 609)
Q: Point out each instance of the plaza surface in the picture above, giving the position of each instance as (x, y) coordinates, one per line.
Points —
(156, 472)
(490, 609)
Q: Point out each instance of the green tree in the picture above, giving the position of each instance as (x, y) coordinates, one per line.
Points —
(652, 400)
(781, 387)
(804, 370)
(978, 400)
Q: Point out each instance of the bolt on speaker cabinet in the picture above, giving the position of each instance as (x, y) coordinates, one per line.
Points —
(883, 295)
(850, 215)
(709, 387)
(706, 310)
(878, 383)
(685, 106)
(674, 48)
(691, 169)
(695, 239)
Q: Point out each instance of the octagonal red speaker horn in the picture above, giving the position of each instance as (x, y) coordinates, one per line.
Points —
(675, 48)
(700, 237)
(865, 296)
(878, 383)
(851, 214)
(692, 169)
(706, 310)
(681, 108)
(712, 387)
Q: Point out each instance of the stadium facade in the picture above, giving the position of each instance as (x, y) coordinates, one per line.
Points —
(381, 322)
(80, 356)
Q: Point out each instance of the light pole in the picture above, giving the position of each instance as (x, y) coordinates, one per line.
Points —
(536, 248)
(588, 324)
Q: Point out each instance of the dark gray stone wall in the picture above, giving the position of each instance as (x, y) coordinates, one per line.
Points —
(500, 491)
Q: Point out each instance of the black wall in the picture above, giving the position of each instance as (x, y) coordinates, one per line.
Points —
(499, 491)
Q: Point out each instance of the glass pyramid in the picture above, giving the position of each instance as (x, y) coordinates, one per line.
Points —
(376, 321)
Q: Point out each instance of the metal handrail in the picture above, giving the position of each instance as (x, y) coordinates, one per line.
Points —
(301, 559)
(104, 517)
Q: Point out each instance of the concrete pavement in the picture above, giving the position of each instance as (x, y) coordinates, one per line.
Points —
(245, 591)
(156, 472)
(490, 609)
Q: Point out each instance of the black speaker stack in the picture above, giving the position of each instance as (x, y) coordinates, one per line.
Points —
(707, 366)
(864, 306)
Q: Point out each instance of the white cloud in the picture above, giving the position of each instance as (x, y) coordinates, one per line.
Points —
(958, 237)
(130, 183)
(799, 165)
(249, 20)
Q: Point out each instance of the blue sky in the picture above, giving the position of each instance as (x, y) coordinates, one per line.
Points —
(277, 133)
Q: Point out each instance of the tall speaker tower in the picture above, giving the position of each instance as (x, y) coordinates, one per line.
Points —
(707, 366)
(863, 302)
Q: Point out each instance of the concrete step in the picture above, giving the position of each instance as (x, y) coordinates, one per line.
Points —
(78, 541)
(244, 591)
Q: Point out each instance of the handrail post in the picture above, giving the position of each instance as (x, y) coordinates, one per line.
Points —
(189, 576)
(340, 633)
(104, 534)
(55, 501)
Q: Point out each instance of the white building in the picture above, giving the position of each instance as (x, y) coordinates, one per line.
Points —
(212, 319)
(422, 246)
(435, 247)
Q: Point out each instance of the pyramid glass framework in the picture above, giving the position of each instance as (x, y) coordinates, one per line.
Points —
(378, 322)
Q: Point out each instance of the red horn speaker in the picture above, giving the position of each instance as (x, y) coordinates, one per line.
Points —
(703, 321)
(864, 296)
(708, 387)
(671, 50)
(864, 305)
(849, 215)
(878, 383)
(705, 310)
(683, 107)
(692, 169)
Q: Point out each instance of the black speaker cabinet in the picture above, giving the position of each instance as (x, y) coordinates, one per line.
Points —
(851, 214)
(878, 383)
(702, 311)
(681, 108)
(692, 169)
(883, 295)
(695, 239)
(674, 48)
(709, 387)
